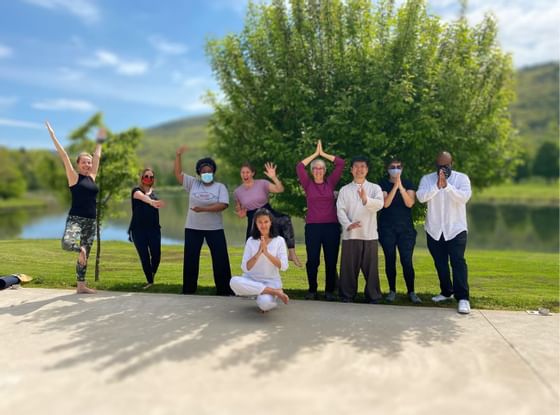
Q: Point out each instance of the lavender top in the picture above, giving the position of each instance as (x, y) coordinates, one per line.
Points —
(253, 197)
(321, 204)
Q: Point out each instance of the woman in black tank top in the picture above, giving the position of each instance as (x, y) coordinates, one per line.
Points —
(79, 232)
(145, 230)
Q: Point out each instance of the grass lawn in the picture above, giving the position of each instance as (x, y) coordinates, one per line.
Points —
(23, 202)
(498, 279)
(533, 191)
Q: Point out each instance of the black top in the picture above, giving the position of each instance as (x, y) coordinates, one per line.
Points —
(397, 212)
(144, 216)
(84, 194)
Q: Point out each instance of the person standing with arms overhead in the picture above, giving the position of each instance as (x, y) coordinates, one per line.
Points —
(145, 230)
(253, 194)
(357, 206)
(321, 223)
(207, 200)
(396, 228)
(79, 231)
(447, 192)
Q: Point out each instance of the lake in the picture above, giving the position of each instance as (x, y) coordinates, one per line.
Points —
(491, 226)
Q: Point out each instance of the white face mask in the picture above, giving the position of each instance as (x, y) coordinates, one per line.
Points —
(394, 172)
(207, 177)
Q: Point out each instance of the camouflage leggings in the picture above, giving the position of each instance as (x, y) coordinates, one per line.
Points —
(77, 233)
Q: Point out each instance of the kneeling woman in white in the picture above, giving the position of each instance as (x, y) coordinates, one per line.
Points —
(264, 256)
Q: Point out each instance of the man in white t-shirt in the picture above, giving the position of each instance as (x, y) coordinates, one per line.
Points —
(447, 192)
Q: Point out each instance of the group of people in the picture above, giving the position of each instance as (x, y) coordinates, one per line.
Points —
(362, 214)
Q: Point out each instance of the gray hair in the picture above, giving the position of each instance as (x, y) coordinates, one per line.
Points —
(318, 161)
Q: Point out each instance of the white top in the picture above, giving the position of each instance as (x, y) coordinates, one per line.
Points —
(263, 268)
(202, 195)
(350, 209)
(447, 212)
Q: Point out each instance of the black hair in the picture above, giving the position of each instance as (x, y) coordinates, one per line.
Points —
(391, 159)
(358, 159)
(255, 233)
(206, 161)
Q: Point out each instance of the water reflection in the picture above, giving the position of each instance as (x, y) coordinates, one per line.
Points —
(519, 227)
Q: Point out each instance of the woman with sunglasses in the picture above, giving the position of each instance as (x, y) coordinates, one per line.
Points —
(321, 223)
(145, 230)
(396, 228)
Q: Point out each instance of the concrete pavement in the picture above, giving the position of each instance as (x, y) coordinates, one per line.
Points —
(169, 354)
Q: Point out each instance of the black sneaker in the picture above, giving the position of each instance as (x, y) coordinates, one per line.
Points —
(330, 297)
(311, 296)
(346, 300)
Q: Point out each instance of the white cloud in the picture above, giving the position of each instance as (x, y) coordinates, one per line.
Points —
(86, 10)
(64, 104)
(167, 47)
(5, 51)
(527, 30)
(105, 58)
(20, 124)
(6, 102)
(69, 74)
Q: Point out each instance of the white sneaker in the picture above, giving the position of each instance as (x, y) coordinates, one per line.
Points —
(464, 307)
(439, 298)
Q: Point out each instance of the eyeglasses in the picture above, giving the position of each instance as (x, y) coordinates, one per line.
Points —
(317, 168)
(148, 177)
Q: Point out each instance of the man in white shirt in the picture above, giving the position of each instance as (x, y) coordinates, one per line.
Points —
(447, 193)
(356, 208)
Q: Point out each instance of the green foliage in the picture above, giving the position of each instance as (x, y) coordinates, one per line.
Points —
(535, 113)
(118, 169)
(546, 161)
(13, 182)
(366, 79)
(157, 148)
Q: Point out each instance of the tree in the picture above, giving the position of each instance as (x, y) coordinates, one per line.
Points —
(13, 183)
(367, 79)
(118, 170)
(546, 161)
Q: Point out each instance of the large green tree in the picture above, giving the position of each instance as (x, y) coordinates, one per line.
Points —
(118, 170)
(546, 161)
(367, 79)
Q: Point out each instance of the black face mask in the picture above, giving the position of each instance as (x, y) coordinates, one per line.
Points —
(446, 169)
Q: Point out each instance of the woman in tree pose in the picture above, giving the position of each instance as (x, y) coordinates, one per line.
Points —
(145, 230)
(264, 256)
(253, 194)
(79, 232)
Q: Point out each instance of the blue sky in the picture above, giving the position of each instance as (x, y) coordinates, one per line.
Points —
(142, 62)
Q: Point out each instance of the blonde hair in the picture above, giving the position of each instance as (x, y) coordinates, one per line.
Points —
(83, 154)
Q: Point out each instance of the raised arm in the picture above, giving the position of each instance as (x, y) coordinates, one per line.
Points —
(177, 166)
(71, 174)
(101, 137)
(329, 157)
(270, 171)
(313, 156)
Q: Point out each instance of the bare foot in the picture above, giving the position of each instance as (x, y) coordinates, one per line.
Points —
(282, 296)
(292, 256)
(82, 288)
(82, 259)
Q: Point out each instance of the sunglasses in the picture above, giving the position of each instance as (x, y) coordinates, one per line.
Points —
(148, 177)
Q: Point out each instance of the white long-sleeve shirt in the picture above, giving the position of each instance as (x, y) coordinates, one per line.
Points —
(263, 268)
(350, 209)
(447, 212)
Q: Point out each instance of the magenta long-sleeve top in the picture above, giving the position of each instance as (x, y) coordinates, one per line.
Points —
(321, 204)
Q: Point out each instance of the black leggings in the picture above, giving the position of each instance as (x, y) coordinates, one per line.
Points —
(282, 222)
(148, 246)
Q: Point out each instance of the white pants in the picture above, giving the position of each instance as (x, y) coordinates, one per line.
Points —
(246, 286)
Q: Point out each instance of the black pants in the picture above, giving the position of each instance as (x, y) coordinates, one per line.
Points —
(402, 237)
(282, 222)
(216, 241)
(326, 235)
(452, 251)
(148, 246)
